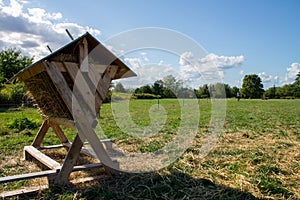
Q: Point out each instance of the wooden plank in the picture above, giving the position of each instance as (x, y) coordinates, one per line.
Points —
(83, 55)
(42, 158)
(45, 173)
(25, 191)
(84, 126)
(59, 133)
(69, 162)
(62, 121)
(60, 83)
(72, 69)
(31, 175)
(41, 134)
(89, 133)
(60, 65)
(31, 71)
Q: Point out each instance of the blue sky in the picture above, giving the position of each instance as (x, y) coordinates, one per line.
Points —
(242, 36)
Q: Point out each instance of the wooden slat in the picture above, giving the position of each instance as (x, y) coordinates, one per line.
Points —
(42, 158)
(60, 83)
(41, 134)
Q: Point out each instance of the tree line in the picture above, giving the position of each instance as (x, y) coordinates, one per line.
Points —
(252, 88)
(12, 61)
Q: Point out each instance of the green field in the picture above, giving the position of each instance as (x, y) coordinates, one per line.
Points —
(256, 156)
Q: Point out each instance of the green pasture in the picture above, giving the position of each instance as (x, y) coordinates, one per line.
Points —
(257, 155)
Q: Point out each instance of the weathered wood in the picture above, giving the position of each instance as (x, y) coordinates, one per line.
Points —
(60, 83)
(31, 175)
(59, 133)
(88, 132)
(31, 72)
(72, 69)
(83, 124)
(41, 134)
(42, 158)
(83, 55)
(26, 191)
(62, 121)
(69, 162)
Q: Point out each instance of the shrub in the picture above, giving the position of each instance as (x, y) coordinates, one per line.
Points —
(145, 96)
(21, 124)
(12, 93)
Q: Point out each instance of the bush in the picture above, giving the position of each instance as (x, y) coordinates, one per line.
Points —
(145, 96)
(13, 94)
(23, 123)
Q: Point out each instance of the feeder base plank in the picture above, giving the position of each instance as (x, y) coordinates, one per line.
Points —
(42, 158)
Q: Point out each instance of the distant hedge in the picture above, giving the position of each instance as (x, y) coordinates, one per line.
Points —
(145, 96)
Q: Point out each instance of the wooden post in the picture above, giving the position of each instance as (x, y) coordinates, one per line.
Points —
(63, 176)
(41, 134)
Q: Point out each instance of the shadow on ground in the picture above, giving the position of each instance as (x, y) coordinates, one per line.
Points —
(174, 185)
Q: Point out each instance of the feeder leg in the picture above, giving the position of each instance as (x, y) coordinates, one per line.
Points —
(41, 134)
(63, 176)
(59, 133)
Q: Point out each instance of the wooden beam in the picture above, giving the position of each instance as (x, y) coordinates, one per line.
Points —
(72, 69)
(63, 176)
(31, 71)
(59, 133)
(31, 175)
(42, 158)
(83, 54)
(41, 134)
(60, 83)
(62, 121)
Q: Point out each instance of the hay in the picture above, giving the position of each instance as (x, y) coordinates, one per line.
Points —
(46, 97)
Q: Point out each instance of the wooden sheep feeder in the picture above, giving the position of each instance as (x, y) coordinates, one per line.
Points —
(50, 82)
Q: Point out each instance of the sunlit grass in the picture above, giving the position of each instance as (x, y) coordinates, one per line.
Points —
(257, 152)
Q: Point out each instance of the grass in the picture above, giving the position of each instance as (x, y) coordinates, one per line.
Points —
(256, 156)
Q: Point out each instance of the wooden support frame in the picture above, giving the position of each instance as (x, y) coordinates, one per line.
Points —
(57, 173)
(58, 74)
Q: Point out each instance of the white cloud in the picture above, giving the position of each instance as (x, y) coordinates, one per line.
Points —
(291, 73)
(223, 62)
(14, 9)
(265, 77)
(32, 29)
(146, 73)
(207, 69)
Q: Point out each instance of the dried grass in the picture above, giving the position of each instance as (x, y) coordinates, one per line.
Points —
(46, 97)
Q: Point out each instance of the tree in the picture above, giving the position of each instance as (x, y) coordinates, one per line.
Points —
(297, 80)
(157, 87)
(252, 86)
(203, 92)
(120, 88)
(233, 91)
(11, 62)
